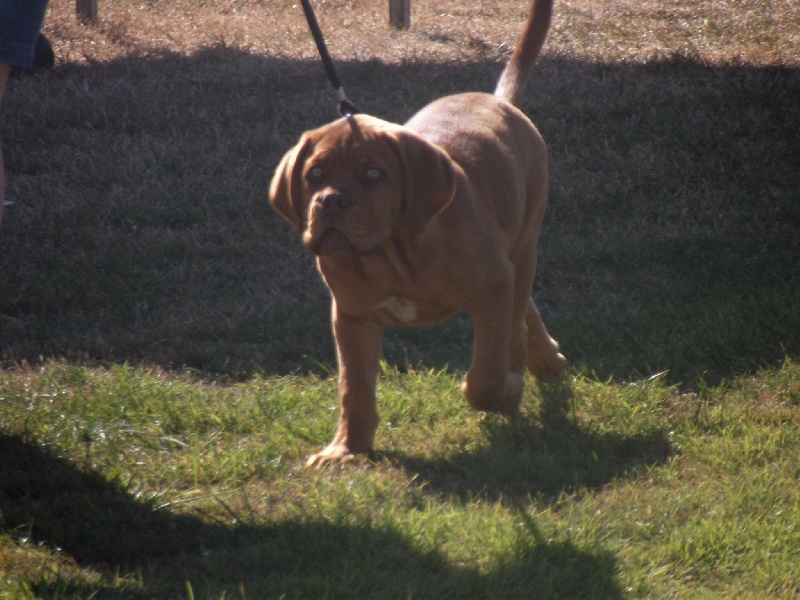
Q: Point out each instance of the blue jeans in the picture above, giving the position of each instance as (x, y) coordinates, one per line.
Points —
(20, 22)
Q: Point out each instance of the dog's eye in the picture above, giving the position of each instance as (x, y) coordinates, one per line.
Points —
(315, 173)
(372, 174)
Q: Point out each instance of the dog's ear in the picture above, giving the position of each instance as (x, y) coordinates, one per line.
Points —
(429, 178)
(286, 189)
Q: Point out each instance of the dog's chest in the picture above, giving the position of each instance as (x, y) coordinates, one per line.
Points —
(398, 309)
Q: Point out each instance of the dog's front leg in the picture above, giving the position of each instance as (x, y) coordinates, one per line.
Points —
(358, 346)
(489, 385)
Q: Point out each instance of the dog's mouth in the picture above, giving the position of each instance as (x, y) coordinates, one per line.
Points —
(332, 242)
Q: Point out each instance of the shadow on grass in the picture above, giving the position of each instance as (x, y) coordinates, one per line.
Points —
(143, 552)
(670, 241)
(541, 456)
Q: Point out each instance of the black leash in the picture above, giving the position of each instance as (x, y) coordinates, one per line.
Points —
(346, 108)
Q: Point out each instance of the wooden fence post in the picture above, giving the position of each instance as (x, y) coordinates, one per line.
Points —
(86, 11)
(400, 13)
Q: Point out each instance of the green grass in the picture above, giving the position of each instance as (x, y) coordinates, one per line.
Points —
(167, 363)
(129, 482)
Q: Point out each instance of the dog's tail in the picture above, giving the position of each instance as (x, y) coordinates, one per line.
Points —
(511, 85)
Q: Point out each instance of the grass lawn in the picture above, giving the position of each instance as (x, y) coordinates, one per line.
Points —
(166, 362)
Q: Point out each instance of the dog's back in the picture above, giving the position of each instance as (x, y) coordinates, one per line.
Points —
(495, 144)
(460, 123)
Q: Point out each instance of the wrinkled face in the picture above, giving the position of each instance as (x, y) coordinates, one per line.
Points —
(350, 188)
(345, 187)
(352, 194)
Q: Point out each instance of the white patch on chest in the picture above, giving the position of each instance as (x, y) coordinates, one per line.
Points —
(402, 309)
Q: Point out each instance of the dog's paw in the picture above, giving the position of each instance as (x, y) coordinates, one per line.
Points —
(548, 368)
(333, 453)
(503, 398)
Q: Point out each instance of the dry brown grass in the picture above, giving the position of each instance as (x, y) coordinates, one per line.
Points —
(754, 32)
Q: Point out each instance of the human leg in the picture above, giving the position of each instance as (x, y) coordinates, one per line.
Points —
(20, 22)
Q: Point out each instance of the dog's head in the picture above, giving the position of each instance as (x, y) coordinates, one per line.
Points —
(347, 186)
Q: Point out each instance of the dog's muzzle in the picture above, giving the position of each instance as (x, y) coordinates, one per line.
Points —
(325, 235)
(333, 204)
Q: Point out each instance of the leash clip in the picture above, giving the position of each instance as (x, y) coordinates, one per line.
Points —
(346, 107)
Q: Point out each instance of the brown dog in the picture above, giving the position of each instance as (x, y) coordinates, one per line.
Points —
(412, 223)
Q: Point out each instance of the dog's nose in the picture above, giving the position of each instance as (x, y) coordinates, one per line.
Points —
(334, 202)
